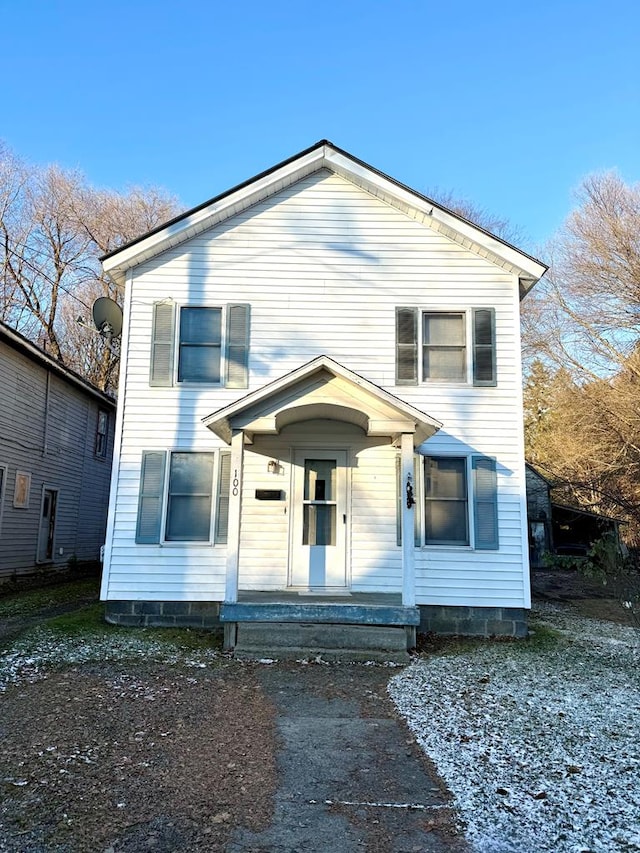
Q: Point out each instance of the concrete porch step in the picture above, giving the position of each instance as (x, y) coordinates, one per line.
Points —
(332, 642)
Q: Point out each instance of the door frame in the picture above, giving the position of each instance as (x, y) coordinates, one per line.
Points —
(296, 487)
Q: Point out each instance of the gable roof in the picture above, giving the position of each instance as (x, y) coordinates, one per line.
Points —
(31, 351)
(324, 155)
(321, 388)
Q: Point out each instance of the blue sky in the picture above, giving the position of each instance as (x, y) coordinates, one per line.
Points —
(508, 104)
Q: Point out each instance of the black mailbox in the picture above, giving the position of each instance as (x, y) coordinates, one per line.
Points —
(269, 494)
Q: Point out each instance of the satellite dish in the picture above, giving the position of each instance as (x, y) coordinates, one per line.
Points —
(107, 315)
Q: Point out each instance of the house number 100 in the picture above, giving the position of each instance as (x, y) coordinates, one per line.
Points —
(235, 483)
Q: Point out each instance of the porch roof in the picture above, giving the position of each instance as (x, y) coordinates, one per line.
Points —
(321, 389)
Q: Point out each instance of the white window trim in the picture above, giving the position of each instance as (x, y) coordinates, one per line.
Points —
(177, 383)
(468, 349)
(468, 457)
(190, 543)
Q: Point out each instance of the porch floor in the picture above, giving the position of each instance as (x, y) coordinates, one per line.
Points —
(360, 608)
(287, 596)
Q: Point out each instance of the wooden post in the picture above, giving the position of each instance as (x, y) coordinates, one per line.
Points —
(235, 506)
(408, 535)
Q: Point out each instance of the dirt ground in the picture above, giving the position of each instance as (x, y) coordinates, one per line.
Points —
(588, 597)
(239, 757)
(122, 758)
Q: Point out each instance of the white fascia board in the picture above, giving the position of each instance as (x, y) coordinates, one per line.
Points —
(200, 220)
(434, 216)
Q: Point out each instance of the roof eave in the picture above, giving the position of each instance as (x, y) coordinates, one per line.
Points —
(29, 349)
(324, 155)
(220, 421)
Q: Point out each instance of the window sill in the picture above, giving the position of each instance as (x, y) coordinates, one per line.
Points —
(190, 543)
(187, 384)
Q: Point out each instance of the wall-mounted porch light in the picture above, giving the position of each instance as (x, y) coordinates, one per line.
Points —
(273, 466)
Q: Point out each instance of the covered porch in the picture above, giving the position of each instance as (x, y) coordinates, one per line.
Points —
(308, 416)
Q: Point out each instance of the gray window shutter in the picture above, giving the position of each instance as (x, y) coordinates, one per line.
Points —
(162, 344)
(150, 499)
(485, 502)
(484, 346)
(222, 510)
(237, 346)
(406, 346)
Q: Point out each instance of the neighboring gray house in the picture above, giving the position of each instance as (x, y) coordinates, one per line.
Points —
(555, 528)
(56, 448)
(538, 516)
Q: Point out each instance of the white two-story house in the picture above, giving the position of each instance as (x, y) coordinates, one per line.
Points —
(320, 412)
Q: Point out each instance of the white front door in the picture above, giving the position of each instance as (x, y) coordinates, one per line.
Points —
(319, 520)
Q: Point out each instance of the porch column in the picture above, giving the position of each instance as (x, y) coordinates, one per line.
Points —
(407, 522)
(235, 504)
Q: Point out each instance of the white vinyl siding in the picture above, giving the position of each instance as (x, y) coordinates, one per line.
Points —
(324, 266)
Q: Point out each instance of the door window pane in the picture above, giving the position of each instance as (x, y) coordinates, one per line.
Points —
(319, 479)
(319, 524)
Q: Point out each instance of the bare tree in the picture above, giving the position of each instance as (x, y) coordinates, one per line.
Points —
(478, 215)
(584, 323)
(53, 228)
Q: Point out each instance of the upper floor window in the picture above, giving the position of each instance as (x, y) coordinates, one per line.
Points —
(444, 354)
(199, 345)
(442, 338)
(102, 434)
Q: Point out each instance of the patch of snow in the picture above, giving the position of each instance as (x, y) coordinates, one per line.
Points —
(539, 747)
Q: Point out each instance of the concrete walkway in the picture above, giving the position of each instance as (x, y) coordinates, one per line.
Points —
(351, 776)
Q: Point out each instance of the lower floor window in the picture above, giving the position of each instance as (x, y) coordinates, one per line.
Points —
(189, 497)
(184, 497)
(456, 501)
(446, 504)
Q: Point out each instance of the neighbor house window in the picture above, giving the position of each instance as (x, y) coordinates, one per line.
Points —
(102, 434)
(189, 497)
(21, 490)
(3, 480)
(446, 501)
(445, 346)
(200, 347)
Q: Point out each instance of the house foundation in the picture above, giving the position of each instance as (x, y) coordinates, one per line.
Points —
(437, 619)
